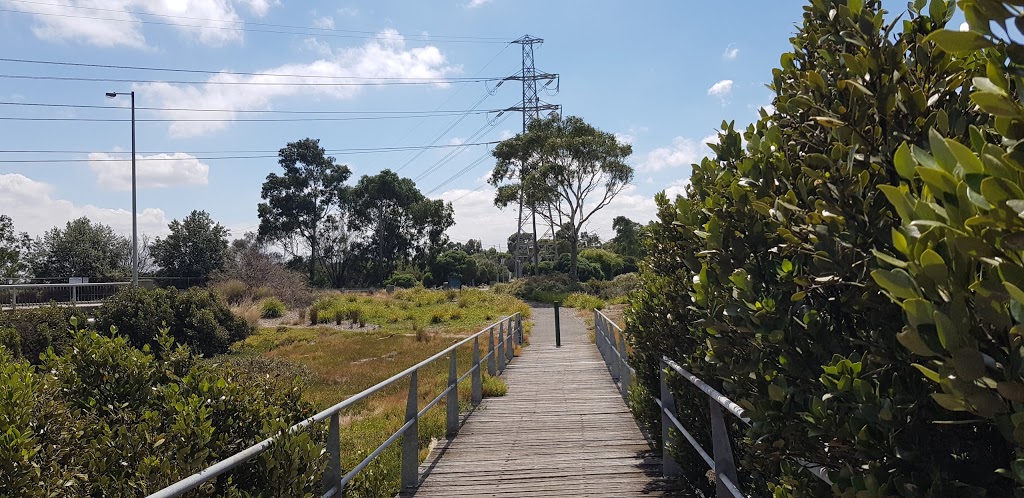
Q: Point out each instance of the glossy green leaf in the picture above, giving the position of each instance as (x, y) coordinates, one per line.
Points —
(898, 282)
(904, 162)
(968, 160)
(958, 41)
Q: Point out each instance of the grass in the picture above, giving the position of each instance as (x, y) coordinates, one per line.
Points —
(579, 300)
(414, 325)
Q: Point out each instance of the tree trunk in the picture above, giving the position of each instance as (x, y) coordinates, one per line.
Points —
(536, 246)
(312, 259)
(574, 251)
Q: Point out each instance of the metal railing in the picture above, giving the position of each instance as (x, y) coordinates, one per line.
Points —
(24, 295)
(510, 333)
(611, 341)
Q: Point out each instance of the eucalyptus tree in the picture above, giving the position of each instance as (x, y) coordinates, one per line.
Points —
(196, 247)
(567, 166)
(306, 199)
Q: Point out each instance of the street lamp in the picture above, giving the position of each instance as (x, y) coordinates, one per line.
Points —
(135, 225)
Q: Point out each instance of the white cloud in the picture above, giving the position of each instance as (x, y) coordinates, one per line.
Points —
(506, 134)
(730, 52)
(383, 57)
(325, 22)
(348, 12)
(34, 210)
(115, 25)
(456, 141)
(721, 89)
(625, 138)
(769, 109)
(476, 3)
(964, 26)
(682, 152)
(677, 187)
(155, 171)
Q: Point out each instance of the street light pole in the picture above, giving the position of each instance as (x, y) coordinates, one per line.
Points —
(135, 224)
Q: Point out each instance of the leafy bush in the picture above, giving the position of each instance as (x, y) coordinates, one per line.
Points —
(583, 301)
(544, 288)
(611, 264)
(759, 280)
(402, 280)
(41, 328)
(196, 316)
(614, 289)
(272, 307)
(71, 423)
(233, 292)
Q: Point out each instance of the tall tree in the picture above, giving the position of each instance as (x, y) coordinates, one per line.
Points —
(627, 237)
(196, 247)
(82, 249)
(391, 221)
(304, 200)
(14, 250)
(564, 164)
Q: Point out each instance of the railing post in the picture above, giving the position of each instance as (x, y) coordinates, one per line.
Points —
(452, 405)
(558, 328)
(724, 463)
(74, 295)
(613, 360)
(625, 378)
(411, 438)
(501, 346)
(669, 466)
(478, 384)
(598, 337)
(332, 474)
(510, 344)
(492, 368)
(519, 328)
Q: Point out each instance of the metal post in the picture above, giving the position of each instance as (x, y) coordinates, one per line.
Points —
(135, 224)
(411, 438)
(478, 384)
(669, 466)
(558, 328)
(598, 338)
(501, 346)
(74, 295)
(724, 463)
(613, 350)
(332, 474)
(510, 344)
(453, 396)
(492, 368)
(519, 328)
(625, 378)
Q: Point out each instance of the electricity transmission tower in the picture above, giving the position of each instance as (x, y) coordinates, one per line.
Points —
(531, 107)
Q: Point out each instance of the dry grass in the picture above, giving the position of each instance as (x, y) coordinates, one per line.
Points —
(346, 362)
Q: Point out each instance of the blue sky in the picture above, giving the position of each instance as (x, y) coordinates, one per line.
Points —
(660, 74)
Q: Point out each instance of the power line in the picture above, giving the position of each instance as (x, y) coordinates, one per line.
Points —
(238, 73)
(459, 173)
(439, 81)
(261, 111)
(454, 153)
(223, 120)
(326, 32)
(254, 154)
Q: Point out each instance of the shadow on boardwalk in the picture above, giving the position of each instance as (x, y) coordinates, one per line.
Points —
(561, 429)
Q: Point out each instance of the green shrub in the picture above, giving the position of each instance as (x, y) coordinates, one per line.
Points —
(611, 264)
(11, 339)
(82, 415)
(196, 316)
(233, 292)
(402, 280)
(41, 328)
(272, 307)
(759, 280)
(583, 301)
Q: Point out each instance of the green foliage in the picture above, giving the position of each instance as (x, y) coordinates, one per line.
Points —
(561, 163)
(82, 249)
(391, 220)
(956, 267)
(611, 264)
(71, 424)
(583, 301)
(272, 307)
(15, 249)
(305, 199)
(38, 329)
(455, 264)
(402, 280)
(196, 317)
(628, 237)
(196, 247)
(616, 289)
(543, 289)
(759, 279)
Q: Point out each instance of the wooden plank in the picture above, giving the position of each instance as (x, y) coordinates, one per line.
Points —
(563, 428)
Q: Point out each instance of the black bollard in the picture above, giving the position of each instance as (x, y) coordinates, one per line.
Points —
(558, 328)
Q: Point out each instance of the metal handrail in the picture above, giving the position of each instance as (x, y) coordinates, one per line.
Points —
(93, 292)
(510, 333)
(610, 340)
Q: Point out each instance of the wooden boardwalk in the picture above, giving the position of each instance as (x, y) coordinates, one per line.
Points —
(562, 429)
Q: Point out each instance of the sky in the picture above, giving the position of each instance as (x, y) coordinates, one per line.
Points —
(661, 75)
